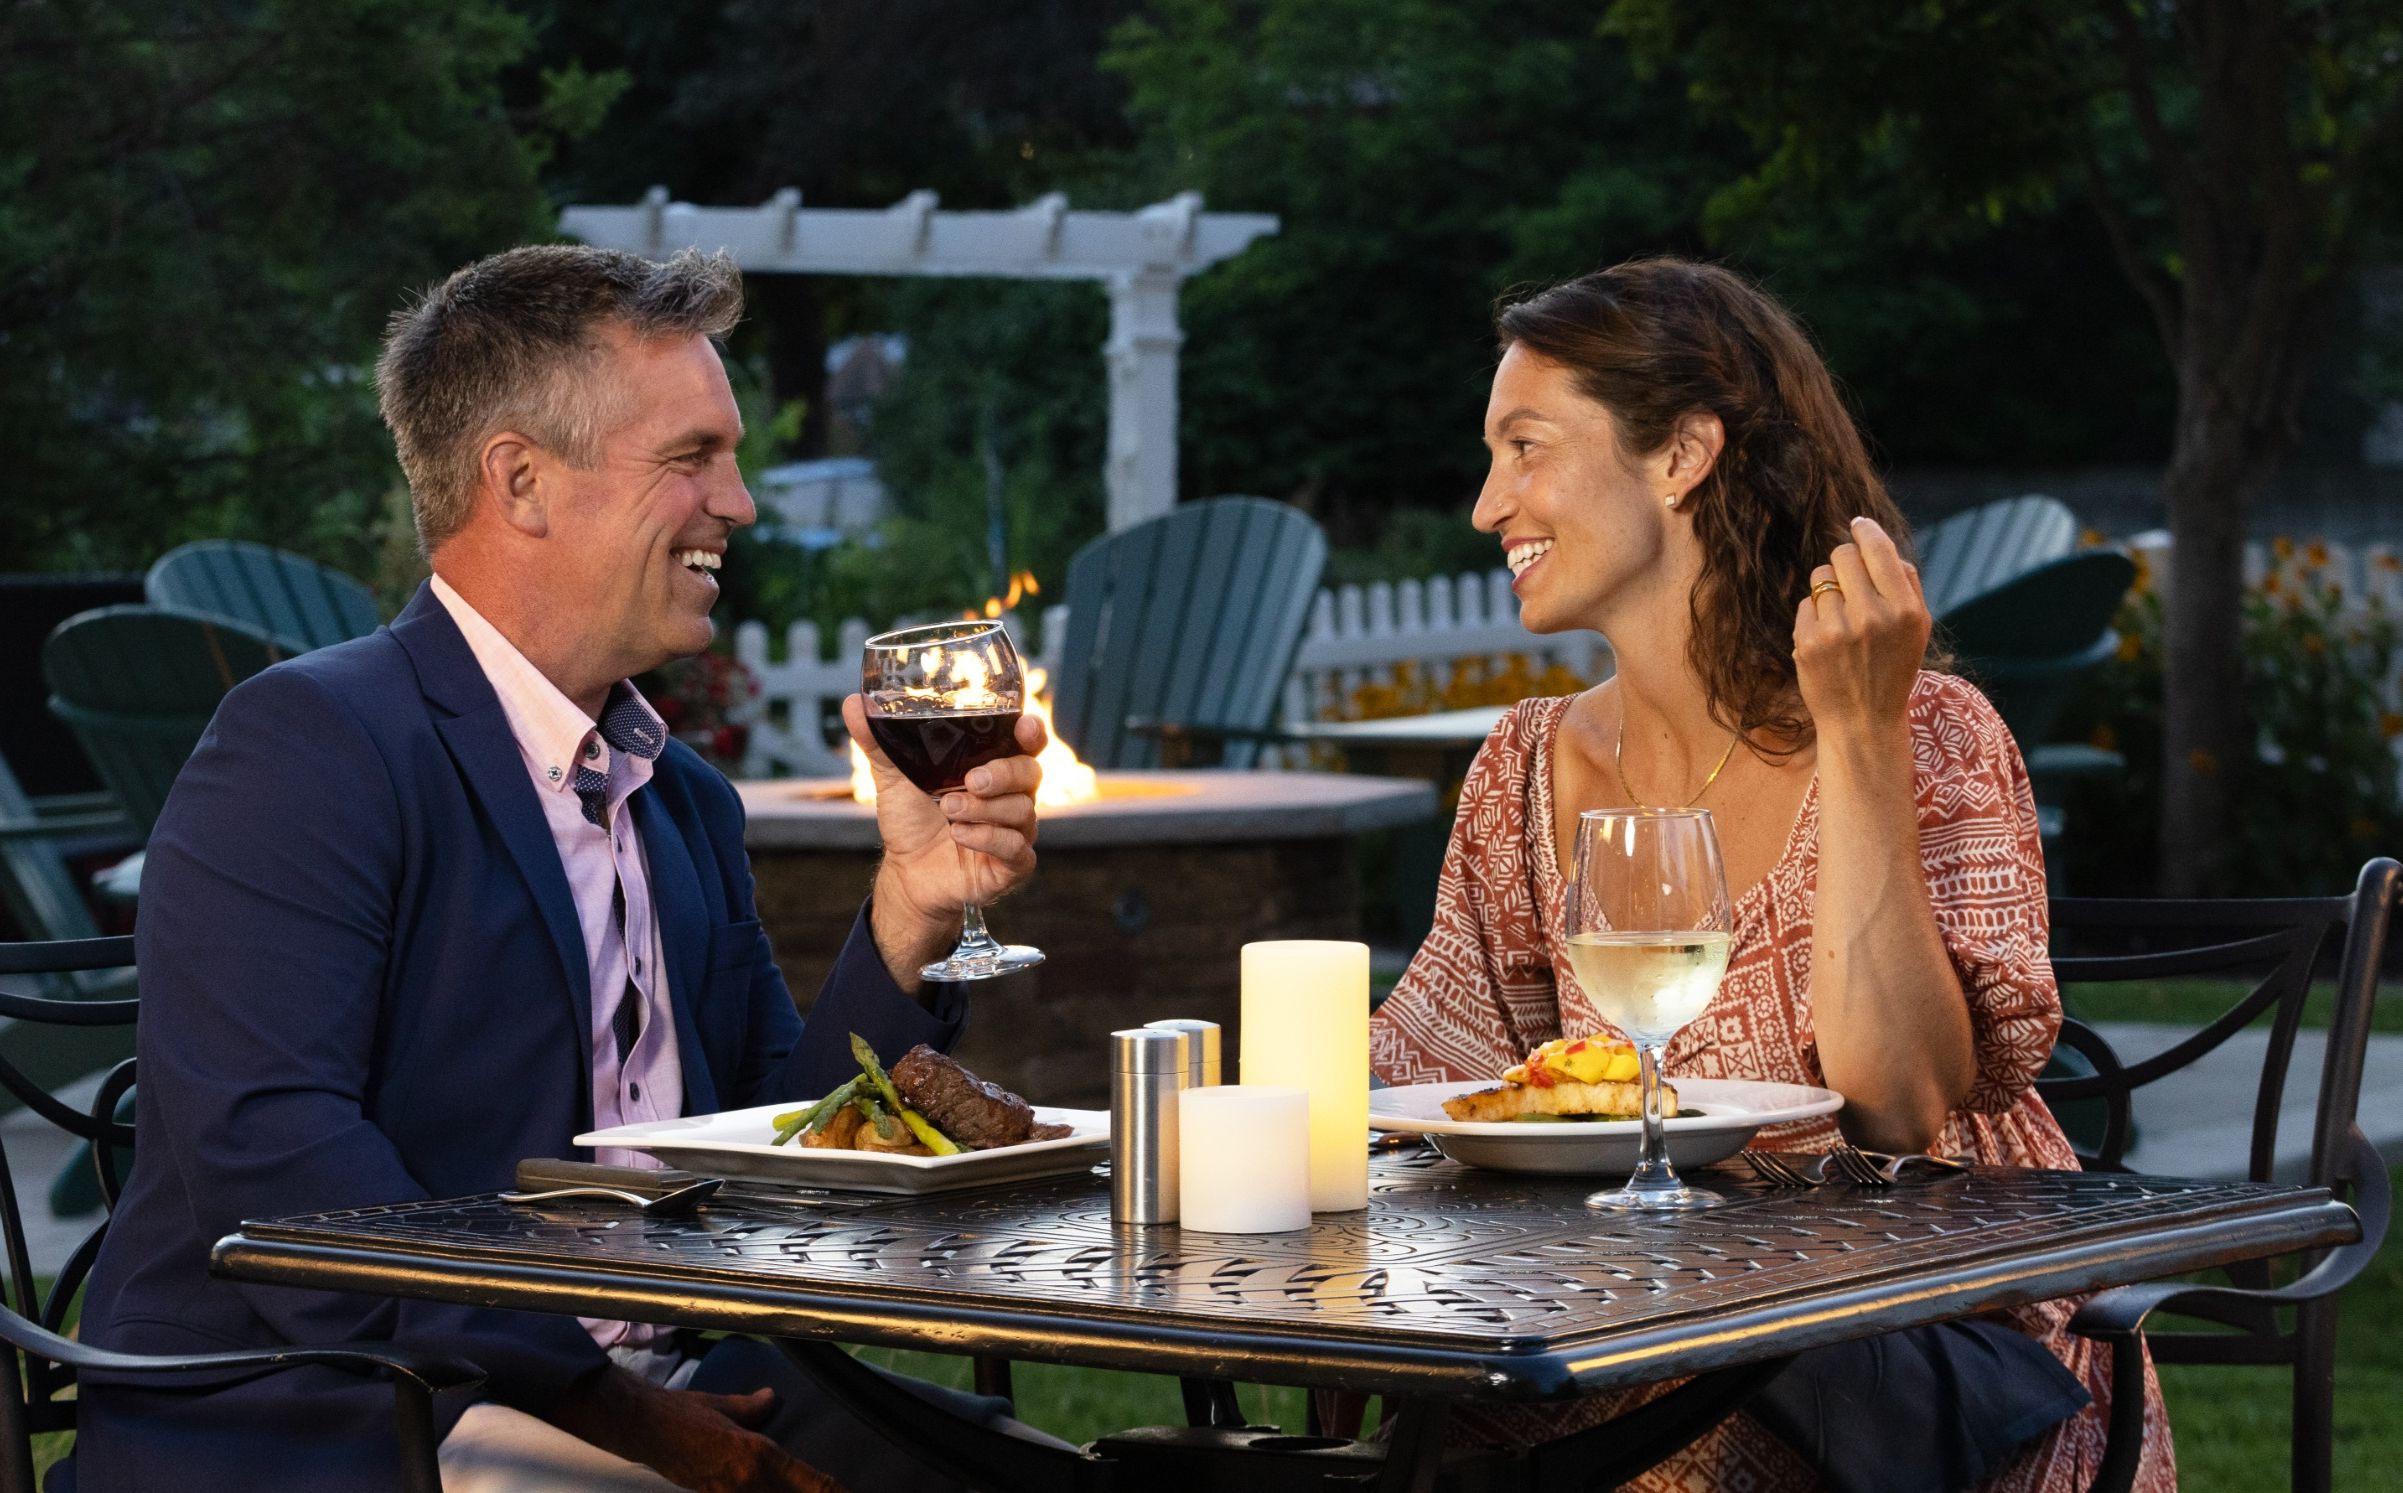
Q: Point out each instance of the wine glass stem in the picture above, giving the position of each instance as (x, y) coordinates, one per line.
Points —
(974, 939)
(1653, 1164)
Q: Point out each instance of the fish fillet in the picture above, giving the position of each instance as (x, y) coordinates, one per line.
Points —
(1509, 1101)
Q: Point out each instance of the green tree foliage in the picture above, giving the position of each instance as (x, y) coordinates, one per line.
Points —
(2239, 155)
(207, 211)
(1427, 156)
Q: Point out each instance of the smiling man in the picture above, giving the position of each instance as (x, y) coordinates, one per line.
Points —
(430, 902)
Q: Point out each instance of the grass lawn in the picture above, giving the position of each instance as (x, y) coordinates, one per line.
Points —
(2191, 1003)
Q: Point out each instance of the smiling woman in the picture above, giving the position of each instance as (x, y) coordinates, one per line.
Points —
(1671, 466)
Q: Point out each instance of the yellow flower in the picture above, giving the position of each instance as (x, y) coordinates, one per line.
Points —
(2388, 561)
(2314, 644)
(2282, 547)
(2131, 647)
(2092, 538)
(2315, 554)
(2270, 584)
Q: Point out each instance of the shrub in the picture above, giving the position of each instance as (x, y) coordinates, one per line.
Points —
(2318, 796)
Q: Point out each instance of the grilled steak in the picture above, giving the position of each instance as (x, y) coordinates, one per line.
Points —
(977, 1114)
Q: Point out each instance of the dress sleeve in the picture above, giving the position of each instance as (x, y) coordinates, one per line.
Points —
(1985, 875)
(1480, 983)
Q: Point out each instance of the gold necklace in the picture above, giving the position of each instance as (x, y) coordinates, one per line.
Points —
(1618, 763)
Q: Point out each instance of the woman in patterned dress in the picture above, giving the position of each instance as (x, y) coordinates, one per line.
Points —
(1672, 466)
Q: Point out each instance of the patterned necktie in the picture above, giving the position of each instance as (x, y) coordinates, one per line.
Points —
(628, 727)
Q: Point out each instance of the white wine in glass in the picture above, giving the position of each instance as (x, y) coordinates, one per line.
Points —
(1648, 937)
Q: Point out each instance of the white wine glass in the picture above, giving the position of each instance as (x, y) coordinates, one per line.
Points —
(1648, 936)
(943, 700)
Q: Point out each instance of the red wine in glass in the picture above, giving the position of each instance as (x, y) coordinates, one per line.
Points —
(937, 752)
(942, 701)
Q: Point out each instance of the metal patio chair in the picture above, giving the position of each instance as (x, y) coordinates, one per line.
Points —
(37, 1376)
(2276, 941)
(138, 684)
(1181, 631)
(1982, 547)
(299, 602)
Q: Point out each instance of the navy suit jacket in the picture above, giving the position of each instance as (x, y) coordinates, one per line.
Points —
(363, 982)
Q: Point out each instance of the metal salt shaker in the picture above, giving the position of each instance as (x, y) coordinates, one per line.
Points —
(1203, 1069)
(1149, 1067)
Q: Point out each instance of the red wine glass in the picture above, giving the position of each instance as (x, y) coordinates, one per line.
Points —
(943, 700)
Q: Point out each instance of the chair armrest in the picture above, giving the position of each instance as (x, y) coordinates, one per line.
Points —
(2118, 1316)
(434, 1372)
(2120, 1313)
(65, 824)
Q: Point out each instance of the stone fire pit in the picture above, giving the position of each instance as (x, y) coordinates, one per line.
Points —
(1142, 900)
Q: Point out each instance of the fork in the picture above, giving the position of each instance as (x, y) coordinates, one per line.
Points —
(673, 1204)
(1879, 1169)
(1776, 1170)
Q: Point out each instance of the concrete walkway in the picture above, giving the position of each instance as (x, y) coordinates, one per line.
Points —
(2199, 1122)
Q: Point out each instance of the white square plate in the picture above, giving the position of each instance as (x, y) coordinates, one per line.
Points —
(735, 1143)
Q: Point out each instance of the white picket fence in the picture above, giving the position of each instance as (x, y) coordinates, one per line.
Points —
(1357, 635)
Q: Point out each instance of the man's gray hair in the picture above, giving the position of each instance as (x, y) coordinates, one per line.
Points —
(511, 343)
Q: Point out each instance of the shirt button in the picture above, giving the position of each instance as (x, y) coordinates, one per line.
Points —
(638, 966)
(554, 774)
(634, 1091)
(592, 749)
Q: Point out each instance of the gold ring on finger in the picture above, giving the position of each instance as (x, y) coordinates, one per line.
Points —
(1823, 587)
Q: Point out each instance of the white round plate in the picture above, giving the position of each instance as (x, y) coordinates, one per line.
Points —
(1732, 1109)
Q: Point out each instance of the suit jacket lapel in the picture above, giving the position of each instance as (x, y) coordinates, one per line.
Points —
(684, 925)
(473, 726)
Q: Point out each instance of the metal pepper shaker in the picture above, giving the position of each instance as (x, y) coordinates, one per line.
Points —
(1149, 1067)
(1202, 1064)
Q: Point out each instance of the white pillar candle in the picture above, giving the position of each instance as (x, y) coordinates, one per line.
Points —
(1305, 1025)
(1245, 1160)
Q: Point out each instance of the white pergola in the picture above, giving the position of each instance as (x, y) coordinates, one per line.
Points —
(1142, 258)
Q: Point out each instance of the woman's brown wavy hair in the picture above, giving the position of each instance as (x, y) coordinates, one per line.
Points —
(1653, 339)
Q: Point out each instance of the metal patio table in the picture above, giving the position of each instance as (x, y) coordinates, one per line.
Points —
(1455, 1285)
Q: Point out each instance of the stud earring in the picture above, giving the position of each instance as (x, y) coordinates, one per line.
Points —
(1672, 500)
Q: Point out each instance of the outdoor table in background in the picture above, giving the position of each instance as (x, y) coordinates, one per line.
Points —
(1454, 1285)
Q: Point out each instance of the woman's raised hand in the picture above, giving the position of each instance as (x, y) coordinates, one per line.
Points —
(1861, 634)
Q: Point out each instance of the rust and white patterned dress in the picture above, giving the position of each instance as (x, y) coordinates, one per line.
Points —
(1492, 982)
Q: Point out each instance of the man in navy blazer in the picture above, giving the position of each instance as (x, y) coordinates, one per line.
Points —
(375, 955)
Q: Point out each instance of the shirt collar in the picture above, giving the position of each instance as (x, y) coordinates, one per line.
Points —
(551, 730)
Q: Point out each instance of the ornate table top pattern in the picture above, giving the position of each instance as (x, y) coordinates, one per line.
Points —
(1481, 1272)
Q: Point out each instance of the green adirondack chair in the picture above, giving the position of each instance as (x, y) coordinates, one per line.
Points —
(1185, 625)
(299, 602)
(40, 893)
(1984, 547)
(2028, 641)
(137, 685)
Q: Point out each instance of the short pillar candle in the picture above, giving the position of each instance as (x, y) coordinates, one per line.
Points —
(1305, 1026)
(1245, 1160)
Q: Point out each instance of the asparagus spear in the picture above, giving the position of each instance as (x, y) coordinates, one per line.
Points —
(933, 1139)
(794, 1122)
(880, 1117)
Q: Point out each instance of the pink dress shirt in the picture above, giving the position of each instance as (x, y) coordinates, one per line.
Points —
(553, 734)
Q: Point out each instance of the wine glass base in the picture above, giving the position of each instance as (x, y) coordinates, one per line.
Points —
(983, 964)
(1673, 1197)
